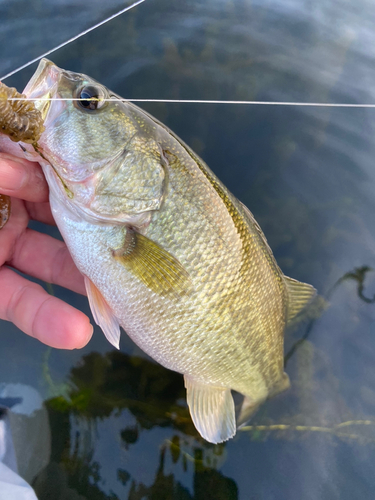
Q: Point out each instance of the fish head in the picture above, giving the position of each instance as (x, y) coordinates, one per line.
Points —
(94, 141)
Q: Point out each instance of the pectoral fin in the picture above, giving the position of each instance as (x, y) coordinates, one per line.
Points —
(300, 295)
(212, 410)
(154, 266)
(103, 314)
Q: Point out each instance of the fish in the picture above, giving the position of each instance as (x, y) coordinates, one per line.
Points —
(167, 252)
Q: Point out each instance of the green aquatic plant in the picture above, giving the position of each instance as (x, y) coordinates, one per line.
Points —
(359, 275)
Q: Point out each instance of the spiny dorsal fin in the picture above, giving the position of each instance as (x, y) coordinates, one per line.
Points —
(300, 295)
(103, 314)
(154, 266)
(212, 410)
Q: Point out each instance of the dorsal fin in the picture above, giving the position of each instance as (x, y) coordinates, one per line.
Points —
(299, 296)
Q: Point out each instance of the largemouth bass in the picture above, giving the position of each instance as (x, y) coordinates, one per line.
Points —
(167, 252)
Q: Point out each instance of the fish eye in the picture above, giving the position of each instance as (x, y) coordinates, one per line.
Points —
(90, 97)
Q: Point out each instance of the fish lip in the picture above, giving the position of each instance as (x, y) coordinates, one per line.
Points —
(46, 75)
(43, 85)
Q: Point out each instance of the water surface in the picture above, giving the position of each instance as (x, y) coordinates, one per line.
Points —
(119, 423)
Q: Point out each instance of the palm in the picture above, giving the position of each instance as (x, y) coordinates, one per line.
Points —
(23, 302)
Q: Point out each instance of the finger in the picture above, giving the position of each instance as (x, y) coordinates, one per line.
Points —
(40, 315)
(46, 258)
(40, 212)
(21, 178)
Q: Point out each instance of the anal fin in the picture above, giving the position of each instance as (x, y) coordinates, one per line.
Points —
(103, 314)
(212, 410)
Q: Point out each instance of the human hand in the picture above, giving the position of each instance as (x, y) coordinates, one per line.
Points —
(23, 302)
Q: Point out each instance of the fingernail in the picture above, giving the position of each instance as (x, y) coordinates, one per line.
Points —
(88, 338)
(91, 332)
(12, 175)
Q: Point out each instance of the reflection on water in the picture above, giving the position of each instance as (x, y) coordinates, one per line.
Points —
(120, 426)
(137, 395)
(145, 395)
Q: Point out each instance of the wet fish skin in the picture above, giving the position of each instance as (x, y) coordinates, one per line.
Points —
(167, 251)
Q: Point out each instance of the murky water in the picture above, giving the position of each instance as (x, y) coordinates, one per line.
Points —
(119, 423)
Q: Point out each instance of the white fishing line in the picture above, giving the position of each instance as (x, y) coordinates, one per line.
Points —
(178, 101)
(129, 7)
(267, 103)
(197, 101)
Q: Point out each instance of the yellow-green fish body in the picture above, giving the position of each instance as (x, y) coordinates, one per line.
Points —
(167, 251)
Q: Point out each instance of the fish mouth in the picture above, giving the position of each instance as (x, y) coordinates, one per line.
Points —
(43, 86)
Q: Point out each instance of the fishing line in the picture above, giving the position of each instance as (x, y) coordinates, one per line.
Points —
(179, 101)
(197, 101)
(129, 7)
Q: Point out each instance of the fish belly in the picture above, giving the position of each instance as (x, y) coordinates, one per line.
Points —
(213, 334)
